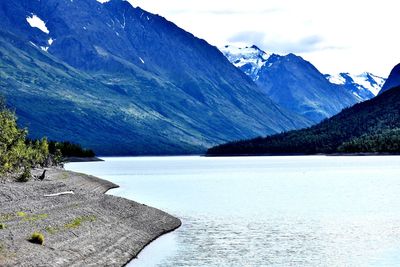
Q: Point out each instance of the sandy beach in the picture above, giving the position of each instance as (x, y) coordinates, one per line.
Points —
(82, 226)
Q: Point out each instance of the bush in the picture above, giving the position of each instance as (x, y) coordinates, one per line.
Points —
(15, 152)
(2, 226)
(19, 153)
(25, 176)
(37, 238)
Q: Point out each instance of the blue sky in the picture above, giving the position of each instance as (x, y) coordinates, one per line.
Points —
(336, 36)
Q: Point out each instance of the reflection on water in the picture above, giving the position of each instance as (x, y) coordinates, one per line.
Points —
(266, 211)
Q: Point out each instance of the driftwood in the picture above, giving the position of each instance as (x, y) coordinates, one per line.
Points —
(60, 194)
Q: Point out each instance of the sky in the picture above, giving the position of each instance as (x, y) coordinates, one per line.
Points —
(336, 36)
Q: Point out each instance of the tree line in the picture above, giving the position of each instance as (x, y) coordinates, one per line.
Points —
(368, 127)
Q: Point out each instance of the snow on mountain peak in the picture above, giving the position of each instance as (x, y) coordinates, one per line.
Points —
(363, 81)
(36, 22)
(370, 81)
(251, 58)
(336, 79)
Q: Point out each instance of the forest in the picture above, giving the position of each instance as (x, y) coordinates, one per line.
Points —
(369, 127)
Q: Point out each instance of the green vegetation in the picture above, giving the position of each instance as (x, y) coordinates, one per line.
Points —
(51, 230)
(33, 218)
(19, 154)
(2, 226)
(387, 141)
(368, 127)
(6, 217)
(25, 176)
(37, 238)
(75, 223)
(21, 214)
(15, 154)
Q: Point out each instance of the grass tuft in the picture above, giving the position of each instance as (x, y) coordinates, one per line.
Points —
(34, 218)
(75, 223)
(21, 214)
(37, 238)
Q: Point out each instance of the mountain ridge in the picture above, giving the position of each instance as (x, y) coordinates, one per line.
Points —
(292, 82)
(123, 81)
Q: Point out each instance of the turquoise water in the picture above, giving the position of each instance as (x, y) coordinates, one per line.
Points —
(265, 211)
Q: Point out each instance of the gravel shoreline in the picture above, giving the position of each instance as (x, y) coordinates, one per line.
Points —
(86, 228)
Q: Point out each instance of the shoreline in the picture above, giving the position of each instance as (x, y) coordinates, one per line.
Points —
(87, 227)
(81, 159)
(300, 154)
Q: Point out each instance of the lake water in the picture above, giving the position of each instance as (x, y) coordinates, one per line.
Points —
(265, 211)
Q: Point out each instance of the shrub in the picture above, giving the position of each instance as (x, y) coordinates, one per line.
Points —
(16, 152)
(57, 156)
(2, 226)
(37, 238)
(19, 153)
(25, 176)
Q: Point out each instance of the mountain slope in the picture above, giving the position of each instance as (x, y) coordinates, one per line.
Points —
(374, 124)
(393, 80)
(364, 86)
(124, 81)
(292, 82)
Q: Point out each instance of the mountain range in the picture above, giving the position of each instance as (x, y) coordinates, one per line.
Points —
(297, 85)
(123, 81)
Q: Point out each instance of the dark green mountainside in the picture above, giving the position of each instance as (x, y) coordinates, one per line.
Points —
(371, 126)
(393, 79)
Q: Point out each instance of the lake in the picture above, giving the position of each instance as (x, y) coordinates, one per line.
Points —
(265, 211)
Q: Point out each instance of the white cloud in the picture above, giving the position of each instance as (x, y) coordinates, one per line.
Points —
(337, 36)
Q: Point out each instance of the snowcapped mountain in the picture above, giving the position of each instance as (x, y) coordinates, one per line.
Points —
(292, 82)
(364, 86)
(249, 59)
